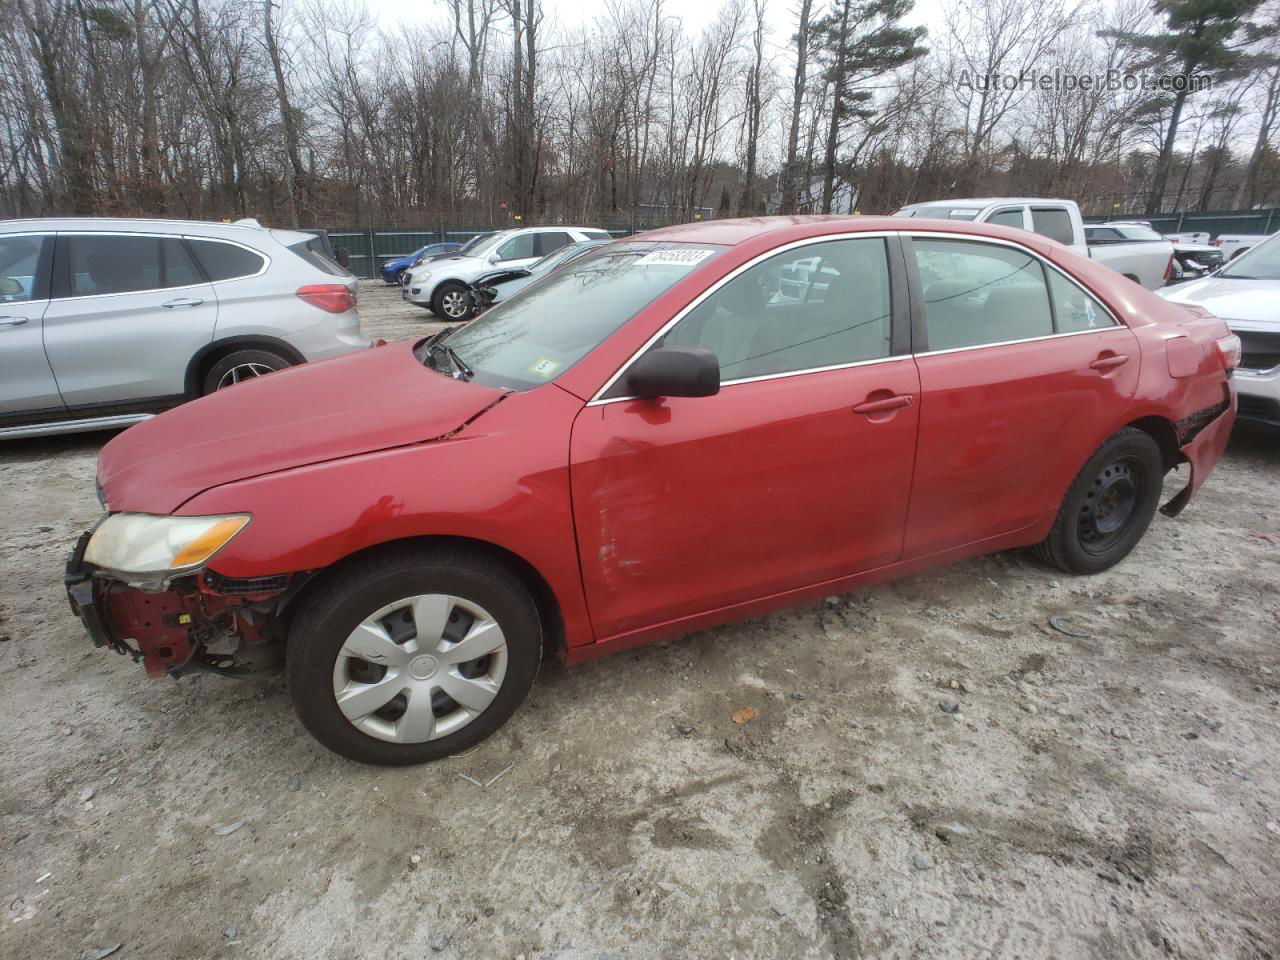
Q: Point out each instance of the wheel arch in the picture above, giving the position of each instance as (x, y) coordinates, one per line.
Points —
(1163, 432)
(204, 359)
(544, 597)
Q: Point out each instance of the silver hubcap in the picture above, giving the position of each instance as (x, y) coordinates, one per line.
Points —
(420, 668)
(244, 371)
(454, 304)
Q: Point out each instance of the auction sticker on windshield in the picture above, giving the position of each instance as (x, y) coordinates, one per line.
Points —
(682, 258)
(545, 368)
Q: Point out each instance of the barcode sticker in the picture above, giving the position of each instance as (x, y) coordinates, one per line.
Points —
(678, 258)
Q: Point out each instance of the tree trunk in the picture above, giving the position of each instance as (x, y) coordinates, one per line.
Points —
(791, 172)
(295, 175)
(1156, 197)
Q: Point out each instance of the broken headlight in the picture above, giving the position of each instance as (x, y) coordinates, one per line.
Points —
(146, 543)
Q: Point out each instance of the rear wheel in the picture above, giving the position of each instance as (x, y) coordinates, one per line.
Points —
(452, 301)
(242, 365)
(412, 656)
(1109, 505)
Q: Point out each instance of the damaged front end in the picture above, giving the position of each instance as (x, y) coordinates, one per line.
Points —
(182, 618)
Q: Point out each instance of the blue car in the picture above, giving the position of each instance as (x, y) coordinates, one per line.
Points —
(393, 269)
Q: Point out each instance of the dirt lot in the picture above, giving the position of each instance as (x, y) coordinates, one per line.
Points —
(1110, 794)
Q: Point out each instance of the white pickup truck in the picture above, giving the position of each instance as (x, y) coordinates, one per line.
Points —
(1139, 253)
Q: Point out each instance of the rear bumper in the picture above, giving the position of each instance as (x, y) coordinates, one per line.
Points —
(1202, 453)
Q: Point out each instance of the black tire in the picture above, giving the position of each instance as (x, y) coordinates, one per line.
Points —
(334, 606)
(444, 291)
(255, 359)
(1108, 507)
(399, 280)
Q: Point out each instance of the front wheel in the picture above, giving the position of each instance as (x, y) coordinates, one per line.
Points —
(452, 301)
(412, 656)
(1109, 505)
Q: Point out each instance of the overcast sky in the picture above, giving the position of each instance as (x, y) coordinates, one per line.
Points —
(695, 14)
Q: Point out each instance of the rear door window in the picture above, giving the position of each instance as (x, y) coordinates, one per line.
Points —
(551, 242)
(99, 264)
(980, 293)
(1054, 223)
(226, 261)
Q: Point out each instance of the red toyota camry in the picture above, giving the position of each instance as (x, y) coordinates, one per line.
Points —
(690, 426)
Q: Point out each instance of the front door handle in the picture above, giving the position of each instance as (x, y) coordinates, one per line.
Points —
(1109, 362)
(12, 321)
(182, 302)
(887, 403)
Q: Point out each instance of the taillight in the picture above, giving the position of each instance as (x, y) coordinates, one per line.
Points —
(1168, 269)
(1216, 242)
(332, 297)
(1230, 351)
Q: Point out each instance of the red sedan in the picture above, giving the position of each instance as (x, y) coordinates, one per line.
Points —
(690, 426)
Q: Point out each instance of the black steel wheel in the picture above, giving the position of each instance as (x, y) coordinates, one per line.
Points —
(1108, 506)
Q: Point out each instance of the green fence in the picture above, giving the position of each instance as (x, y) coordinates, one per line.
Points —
(1212, 222)
(371, 247)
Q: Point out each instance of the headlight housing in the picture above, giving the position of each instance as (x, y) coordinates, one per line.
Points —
(143, 543)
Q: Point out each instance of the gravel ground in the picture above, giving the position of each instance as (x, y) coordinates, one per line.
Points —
(932, 770)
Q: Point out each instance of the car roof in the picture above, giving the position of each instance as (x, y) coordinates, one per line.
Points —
(134, 225)
(789, 228)
(982, 201)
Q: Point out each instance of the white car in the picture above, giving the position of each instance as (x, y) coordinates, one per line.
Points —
(442, 285)
(1246, 293)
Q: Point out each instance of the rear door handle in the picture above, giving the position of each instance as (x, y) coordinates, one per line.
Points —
(888, 403)
(1109, 363)
(12, 321)
(182, 302)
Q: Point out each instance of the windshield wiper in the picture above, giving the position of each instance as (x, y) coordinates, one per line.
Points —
(459, 364)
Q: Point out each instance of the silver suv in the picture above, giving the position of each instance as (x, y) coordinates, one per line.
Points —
(104, 322)
(441, 283)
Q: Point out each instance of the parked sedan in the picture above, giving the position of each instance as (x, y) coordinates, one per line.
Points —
(1247, 293)
(652, 440)
(104, 322)
(495, 287)
(393, 270)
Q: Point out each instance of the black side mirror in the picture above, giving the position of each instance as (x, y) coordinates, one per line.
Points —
(675, 372)
(342, 257)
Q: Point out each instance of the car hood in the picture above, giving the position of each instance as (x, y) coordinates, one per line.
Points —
(501, 276)
(358, 403)
(1256, 301)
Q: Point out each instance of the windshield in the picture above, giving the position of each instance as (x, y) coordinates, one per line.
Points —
(1260, 263)
(531, 339)
(939, 212)
(475, 243)
(557, 257)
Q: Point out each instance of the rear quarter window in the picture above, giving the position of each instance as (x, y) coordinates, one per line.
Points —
(226, 261)
(313, 252)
